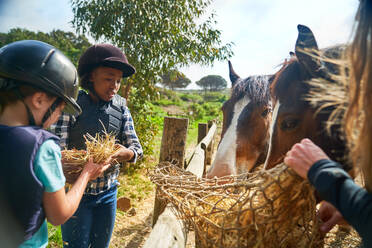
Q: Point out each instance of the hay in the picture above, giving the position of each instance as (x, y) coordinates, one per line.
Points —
(272, 208)
(99, 148)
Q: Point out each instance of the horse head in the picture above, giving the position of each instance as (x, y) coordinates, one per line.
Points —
(246, 120)
(294, 118)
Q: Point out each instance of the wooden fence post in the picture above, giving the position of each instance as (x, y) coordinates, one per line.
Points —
(173, 144)
(202, 131)
(170, 231)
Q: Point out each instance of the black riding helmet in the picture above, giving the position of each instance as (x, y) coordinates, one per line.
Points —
(105, 55)
(42, 66)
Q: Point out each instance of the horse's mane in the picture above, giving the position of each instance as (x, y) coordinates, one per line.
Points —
(255, 87)
(292, 71)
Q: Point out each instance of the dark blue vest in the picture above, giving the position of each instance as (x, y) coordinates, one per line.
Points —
(19, 186)
(109, 113)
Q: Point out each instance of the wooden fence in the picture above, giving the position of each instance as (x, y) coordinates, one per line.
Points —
(168, 231)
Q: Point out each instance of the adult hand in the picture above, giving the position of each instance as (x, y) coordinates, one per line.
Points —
(94, 170)
(330, 217)
(303, 155)
(122, 154)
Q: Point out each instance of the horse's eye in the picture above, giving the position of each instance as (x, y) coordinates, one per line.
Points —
(289, 124)
(265, 112)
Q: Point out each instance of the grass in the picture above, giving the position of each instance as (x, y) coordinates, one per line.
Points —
(55, 236)
(134, 184)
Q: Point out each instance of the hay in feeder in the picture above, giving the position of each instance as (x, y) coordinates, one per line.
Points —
(267, 208)
(99, 148)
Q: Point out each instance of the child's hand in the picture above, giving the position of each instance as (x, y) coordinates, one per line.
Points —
(330, 217)
(94, 170)
(121, 155)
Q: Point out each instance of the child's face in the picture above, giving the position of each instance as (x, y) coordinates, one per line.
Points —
(106, 82)
(39, 104)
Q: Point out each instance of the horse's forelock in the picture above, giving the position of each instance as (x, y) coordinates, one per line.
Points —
(260, 89)
(255, 87)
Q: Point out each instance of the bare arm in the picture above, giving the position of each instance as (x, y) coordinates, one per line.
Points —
(59, 206)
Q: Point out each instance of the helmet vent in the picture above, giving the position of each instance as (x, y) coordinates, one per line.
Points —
(47, 57)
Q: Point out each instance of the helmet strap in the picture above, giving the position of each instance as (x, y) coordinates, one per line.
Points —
(94, 93)
(51, 109)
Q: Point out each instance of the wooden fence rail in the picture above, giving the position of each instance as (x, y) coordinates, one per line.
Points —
(200, 153)
(168, 231)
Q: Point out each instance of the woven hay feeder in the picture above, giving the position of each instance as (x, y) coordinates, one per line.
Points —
(100, 148)
(267, 208)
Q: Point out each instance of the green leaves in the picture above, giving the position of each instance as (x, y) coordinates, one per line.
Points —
(156, 35)
(175, 79)
(70, 44)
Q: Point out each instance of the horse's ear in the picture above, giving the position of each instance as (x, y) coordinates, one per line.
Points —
(307, 50)
(233, 76)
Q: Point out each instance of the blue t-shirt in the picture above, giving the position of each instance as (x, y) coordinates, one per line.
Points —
(48, 169)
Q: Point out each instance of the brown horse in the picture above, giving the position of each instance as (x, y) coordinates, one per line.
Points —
(294, 118)
(246, 120)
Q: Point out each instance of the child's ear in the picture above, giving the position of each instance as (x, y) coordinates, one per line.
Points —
(38, 99)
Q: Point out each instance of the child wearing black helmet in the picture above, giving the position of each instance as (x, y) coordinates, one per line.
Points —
(101, 69)
(37, 82)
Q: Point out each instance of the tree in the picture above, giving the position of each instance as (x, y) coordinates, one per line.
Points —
(175, 79)
(212, 82)
(182, 82)
(155, 35)
(70, 44)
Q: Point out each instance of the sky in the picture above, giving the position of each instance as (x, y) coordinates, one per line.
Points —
(263, 31)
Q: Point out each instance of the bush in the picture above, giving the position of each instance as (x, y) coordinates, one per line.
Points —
(168, 97)
(196, 111)
(223, 98)
(167, 102)
(146, 127)
(191, 97)
(212, 109)
(215, 97)
(168, 94)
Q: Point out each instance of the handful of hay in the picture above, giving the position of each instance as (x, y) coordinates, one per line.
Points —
(268, 208)
(100, 148)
